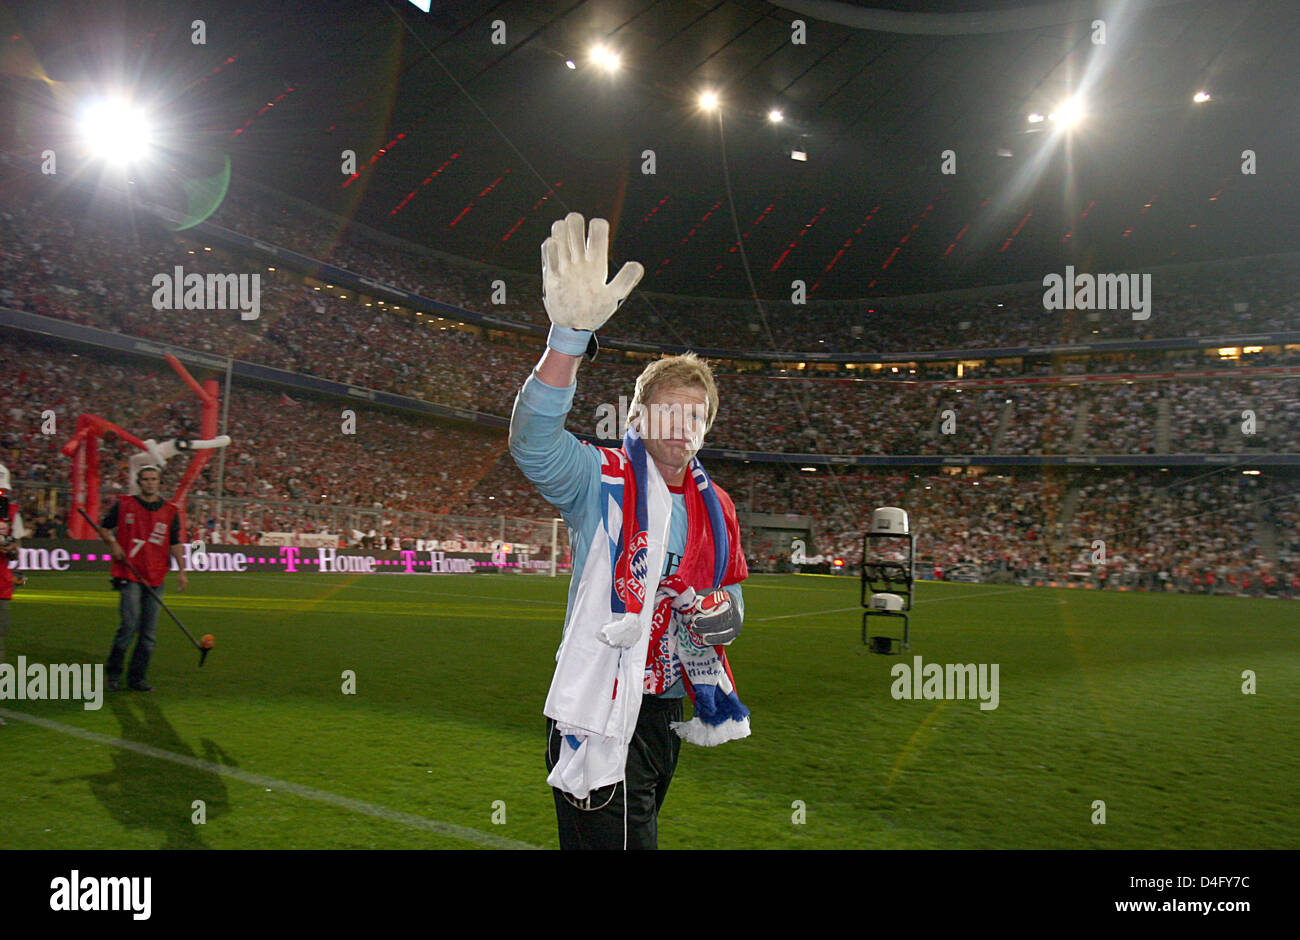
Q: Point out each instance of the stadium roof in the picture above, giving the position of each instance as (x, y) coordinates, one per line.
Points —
(475, 148)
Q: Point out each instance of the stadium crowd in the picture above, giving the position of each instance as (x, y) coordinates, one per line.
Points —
(291, 466)
(1206, 301)
(84, 270)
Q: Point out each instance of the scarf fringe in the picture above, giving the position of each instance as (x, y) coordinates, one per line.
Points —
(697, 732)
(622, 633)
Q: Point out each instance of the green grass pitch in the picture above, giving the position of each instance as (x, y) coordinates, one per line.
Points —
(1132, 699)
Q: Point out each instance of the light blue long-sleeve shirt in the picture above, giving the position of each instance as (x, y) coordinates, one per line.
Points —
(567, 473)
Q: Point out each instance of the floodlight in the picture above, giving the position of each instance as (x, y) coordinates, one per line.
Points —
(709, 100)
(605, 57)
(1068, 113)
(116, 131)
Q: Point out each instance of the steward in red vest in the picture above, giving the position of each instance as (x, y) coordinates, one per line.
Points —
(148, 536)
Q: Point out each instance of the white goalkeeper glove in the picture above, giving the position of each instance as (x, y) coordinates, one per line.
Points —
(573, 279)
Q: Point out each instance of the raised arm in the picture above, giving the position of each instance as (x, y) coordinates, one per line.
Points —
(548, 455)
(557, 369)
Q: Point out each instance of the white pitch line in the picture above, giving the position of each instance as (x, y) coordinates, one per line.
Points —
(388, 589)
(924, 600)
(962, 597)
(464, 833)
(806, 613)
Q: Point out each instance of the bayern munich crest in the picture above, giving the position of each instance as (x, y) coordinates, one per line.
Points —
(633, 566)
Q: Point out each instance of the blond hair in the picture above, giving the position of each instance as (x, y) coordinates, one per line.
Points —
(675, 371)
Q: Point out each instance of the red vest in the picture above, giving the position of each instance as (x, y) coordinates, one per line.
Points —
(145, 536)
(7, 573)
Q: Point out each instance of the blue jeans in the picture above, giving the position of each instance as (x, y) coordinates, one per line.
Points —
(139, 613)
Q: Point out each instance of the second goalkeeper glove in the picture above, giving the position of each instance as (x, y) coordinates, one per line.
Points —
(712, 618)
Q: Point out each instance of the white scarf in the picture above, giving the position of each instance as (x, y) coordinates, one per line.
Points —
(595, 695)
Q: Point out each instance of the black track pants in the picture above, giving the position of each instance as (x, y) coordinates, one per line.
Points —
(623, 815)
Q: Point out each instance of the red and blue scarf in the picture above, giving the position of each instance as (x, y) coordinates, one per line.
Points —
(712, 558)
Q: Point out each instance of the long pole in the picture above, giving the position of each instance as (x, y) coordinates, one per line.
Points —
(203, 652)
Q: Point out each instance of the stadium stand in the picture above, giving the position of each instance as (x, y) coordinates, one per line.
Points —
(290, 469)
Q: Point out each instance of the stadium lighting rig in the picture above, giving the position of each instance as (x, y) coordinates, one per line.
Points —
(1068, 113)
(606, 58)
(116, 130)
